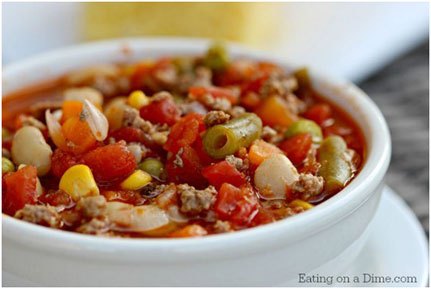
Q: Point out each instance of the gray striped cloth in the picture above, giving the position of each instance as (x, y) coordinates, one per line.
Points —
(401, 90)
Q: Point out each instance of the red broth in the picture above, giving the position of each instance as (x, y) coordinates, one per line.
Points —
(165, 169)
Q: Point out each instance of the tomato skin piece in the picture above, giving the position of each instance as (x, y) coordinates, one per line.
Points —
(262, 217)
(236, 205)
(297, 147)
(254, 85)
(189, 171)
(110, 163)
(57, 198)
(161, 111)
(19, 189)
(128, 134)
(223, 172)
(197, 92)
(61, 161)
(319, 113)
(184, 132)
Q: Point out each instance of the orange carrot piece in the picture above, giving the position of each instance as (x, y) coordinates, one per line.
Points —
(274, 111)
(70, 109)
(261, 150)
(189, 231)
(78, 135)
(251, 100)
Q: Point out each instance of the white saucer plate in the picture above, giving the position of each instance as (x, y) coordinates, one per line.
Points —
(395, 254)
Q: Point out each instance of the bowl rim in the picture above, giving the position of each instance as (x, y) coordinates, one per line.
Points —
(272, 235)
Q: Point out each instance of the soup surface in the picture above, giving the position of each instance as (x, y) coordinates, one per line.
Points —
(173, 147)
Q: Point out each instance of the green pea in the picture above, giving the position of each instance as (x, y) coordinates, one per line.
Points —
(5, 133)
(216, 57)
(7, 166)
(335, 169)
(305, 126)
(152, 166)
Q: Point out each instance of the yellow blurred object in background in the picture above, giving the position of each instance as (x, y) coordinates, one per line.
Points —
(249, 23)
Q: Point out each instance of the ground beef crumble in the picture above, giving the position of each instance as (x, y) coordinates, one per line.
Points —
(215, 117)
(96, 226)
(156, 132)
(222, 227)
(271, 135)
(92, 207)
(40, 214)
(308, 185)
(239, 163)
(193, 201)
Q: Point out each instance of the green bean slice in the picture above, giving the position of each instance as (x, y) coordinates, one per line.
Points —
(225, 139)
(305, 126)
(336, 169)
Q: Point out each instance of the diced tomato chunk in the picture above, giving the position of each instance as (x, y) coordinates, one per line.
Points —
(254, 85)
(198, 146)
(184, 132)
(197, 92)
(223, 172)
(297, 147)
(236, 73)
(19, 189)
(319, 113)
(236, 204)
(128, 134)
(110, 163)
(56, 198)
(61, 161)
(161, 111)
(185, 167)
(263, 216)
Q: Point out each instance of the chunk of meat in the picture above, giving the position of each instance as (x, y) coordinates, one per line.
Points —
(215, 117)
(239, 163)
(271, 135)
(308, 185)
(95, 227)
(278, 84)
(92, 207)
(193, 201)
(222, 227)
(41, 215)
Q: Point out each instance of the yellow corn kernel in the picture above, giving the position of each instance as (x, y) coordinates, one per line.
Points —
(300, 203)
(78, 181)
(138, 99)
(136, 181)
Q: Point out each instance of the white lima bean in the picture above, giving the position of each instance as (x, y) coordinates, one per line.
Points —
(30, 148)
(274, 175)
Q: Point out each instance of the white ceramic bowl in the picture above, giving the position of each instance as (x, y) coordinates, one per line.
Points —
(326, 238)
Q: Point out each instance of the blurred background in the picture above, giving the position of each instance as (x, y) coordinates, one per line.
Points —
(383, 47)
